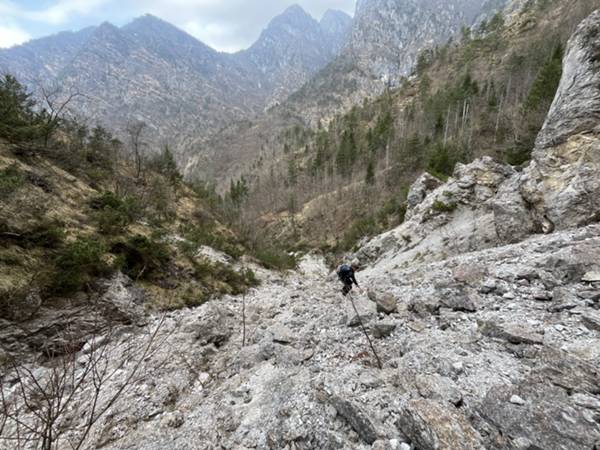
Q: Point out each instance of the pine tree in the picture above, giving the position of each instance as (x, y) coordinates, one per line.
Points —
(546, 83)
(370, 176)
(18, 121)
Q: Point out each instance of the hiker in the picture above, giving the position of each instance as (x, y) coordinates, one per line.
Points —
(346, 275)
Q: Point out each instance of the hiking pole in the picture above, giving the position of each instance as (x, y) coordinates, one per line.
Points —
(365, 331)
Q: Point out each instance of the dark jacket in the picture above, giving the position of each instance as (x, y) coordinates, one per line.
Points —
(346, 274)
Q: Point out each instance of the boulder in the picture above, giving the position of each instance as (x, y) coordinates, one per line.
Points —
(513, 333)
(122, 301)
(383, 329)
(591, 320)
(591, 277)
(386, 303)
(538, 413)
(281, 334)
(437, 387)
(431, 425)
(357, 417)
(210, 326)
(419, 190)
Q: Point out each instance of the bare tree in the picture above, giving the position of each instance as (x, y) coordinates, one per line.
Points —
(55, 105)
(57, 407)
(135, 131)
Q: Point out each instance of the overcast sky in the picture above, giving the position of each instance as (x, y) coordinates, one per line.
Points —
(226, 25)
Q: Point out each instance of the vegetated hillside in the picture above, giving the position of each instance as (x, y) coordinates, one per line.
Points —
(150, 71)
(385, 39)
(82, 216)
(485, 94)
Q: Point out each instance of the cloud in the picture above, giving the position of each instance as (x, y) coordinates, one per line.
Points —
(59, 12)
(227, 25)
(232, 24)
(12, 35)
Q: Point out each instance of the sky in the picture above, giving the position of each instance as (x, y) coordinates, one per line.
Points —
(226, 25)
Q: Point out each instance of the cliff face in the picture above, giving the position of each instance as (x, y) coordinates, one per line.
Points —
(387, 35)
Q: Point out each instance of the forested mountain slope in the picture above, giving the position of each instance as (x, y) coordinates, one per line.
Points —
(486, 94)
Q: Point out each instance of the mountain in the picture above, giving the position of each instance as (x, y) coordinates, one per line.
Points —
(42, 59)
(182, 89)
(385, 39)
(388, 35)
(292, 49)
(336, 26)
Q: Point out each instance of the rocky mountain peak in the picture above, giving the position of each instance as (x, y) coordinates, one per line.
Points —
(292, 49)
(388, 34)
(293, 23)
(335, 21)
(336, 25)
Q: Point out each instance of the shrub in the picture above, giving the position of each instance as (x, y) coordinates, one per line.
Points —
(443, 159)
(46, 234)
(359, 229)
(114, 213)
(442, 207)
(11, 179)
(78, 264)
(204, 233)
(141, 257)
(275, 258)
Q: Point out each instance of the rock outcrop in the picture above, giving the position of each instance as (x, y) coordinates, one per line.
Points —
(560, 189)
(488, 203)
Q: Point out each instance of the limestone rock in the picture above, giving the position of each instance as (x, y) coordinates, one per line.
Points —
(591, 277)
(122, 300)
(419, 190)
(432, 426)
(576, 107)
(437, 387)
(383, 329)
(386, 303)
(591, 320)
(357, 417)
(513, 333)
(546, 421)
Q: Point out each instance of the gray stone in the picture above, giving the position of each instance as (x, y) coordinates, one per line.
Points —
(591, 320)
(513, 333)
(516, 400)
(419, 190)
(546, 420)
(357, 418)
(460, 301)
(172, 420)
(210, 327)
(431, 425)
(383, 329)
(512, 217)
(541, 295)
(386, 304)
(437, 387)
(591, 277)
(281, 334)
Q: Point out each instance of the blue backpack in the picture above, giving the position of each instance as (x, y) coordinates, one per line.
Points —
(344, 271)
